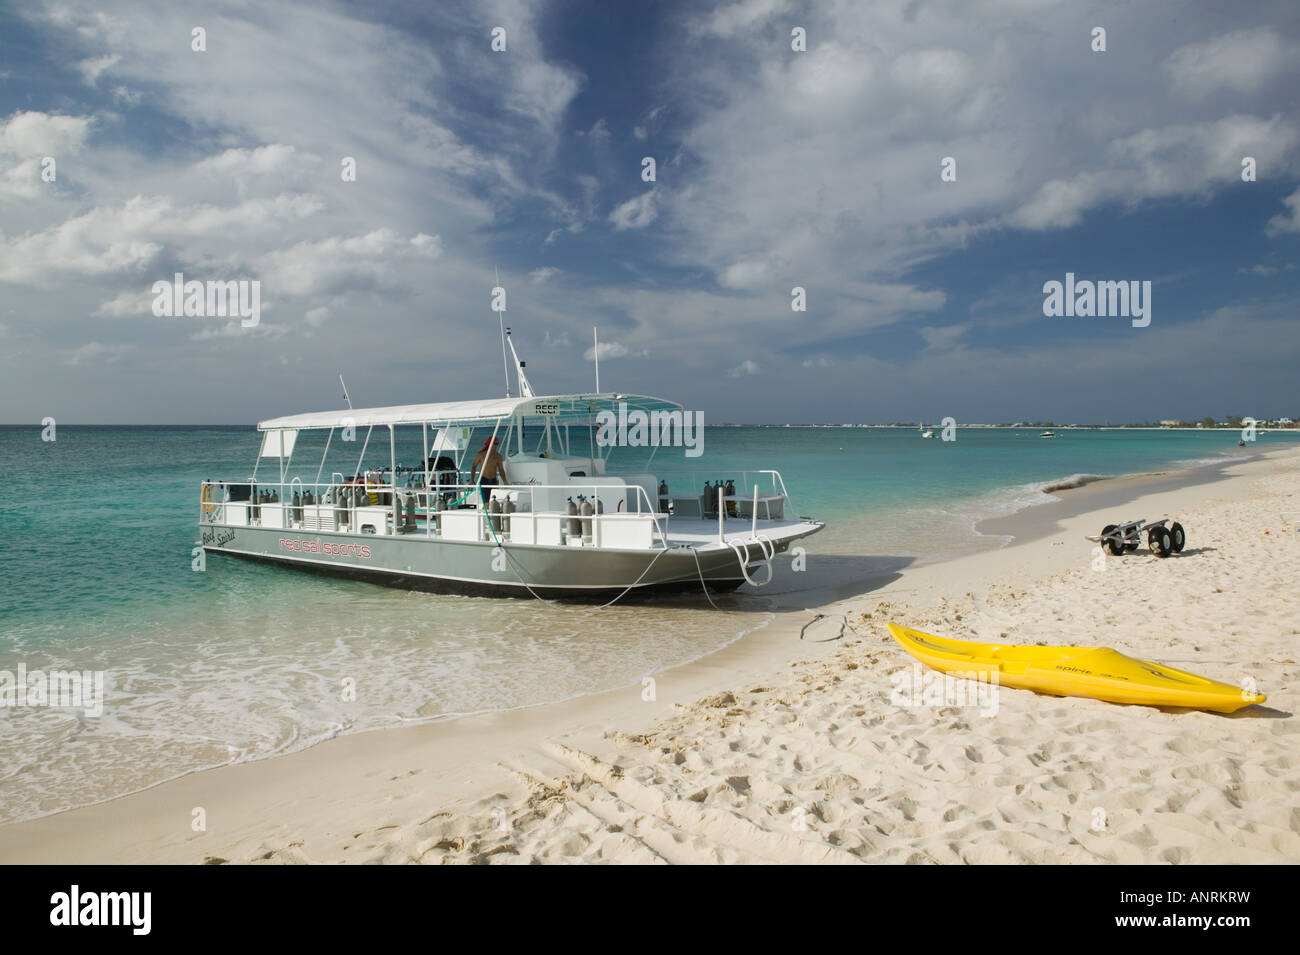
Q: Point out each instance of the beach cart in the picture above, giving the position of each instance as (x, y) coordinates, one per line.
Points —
(1162, 540)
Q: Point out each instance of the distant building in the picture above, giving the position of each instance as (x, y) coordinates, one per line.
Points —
(1170, 423)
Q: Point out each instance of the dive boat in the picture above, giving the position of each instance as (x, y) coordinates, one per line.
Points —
(562, 524)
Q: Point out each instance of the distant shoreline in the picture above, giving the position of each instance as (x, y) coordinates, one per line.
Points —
(1272, 429)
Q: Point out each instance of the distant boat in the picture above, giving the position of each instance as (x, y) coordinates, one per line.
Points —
(925, 432)
(1048, 434)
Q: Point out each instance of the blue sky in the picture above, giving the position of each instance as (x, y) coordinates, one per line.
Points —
(775, 169)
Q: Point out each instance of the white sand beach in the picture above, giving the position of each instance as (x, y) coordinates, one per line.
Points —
(787, 749)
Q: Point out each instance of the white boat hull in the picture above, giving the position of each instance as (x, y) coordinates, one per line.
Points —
(418, 562)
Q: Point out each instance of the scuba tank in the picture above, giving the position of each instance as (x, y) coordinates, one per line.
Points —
(731, 505)
(663, 497)
(508, 509)
(710, 499)
(494, 514)
(574, 525)
(586, 510)
(439, 505)
(297, 507)
(410, 511)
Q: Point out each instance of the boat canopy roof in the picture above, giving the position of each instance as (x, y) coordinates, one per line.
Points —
(555, 407)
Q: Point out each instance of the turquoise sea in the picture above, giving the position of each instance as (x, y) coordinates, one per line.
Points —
(243, 661)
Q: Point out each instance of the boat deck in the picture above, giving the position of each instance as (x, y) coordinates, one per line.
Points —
(693, 532)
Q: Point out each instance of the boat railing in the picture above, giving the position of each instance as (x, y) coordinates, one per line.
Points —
(769, 483)
(449, 511)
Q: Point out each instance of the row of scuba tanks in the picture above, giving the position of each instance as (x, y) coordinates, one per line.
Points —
(578, 517)
(499, 512)
(264, 497)
(710, 508)
(709, 499)
(577, 523)
(578, 514)
(347, 497)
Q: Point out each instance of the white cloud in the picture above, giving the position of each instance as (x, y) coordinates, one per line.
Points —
(137, 301)
(324, 265)
(821, 169)
(816, 169)
(649, 120)
(1179, 160)
(22, 180)
(131, 236)
(41, 134)
(96, 353)
(215, 329)
(260, 160)
(599, 134)
(1288, 221)
(636, 213)
(615, 350)
(748, 273)
(732, 18)
(545, 273)
(236, 174)
(93, 68)
(1241, 61)
(745, 368)
(126, 96)
(941, 338)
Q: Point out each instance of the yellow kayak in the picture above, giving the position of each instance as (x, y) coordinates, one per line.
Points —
(1098, 673)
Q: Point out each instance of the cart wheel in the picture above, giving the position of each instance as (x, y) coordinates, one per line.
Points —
(1178, 537)
(1114, 543)
(1160, 542)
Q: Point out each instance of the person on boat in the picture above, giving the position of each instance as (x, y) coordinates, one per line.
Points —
(488, 461)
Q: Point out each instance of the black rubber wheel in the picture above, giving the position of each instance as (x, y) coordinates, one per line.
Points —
(1178, 537)
(1160, 542)
(1114, 543)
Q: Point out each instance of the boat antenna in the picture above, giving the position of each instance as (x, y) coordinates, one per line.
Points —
(345, 392)
(595, 352)
(525, 387)
(501, 320)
